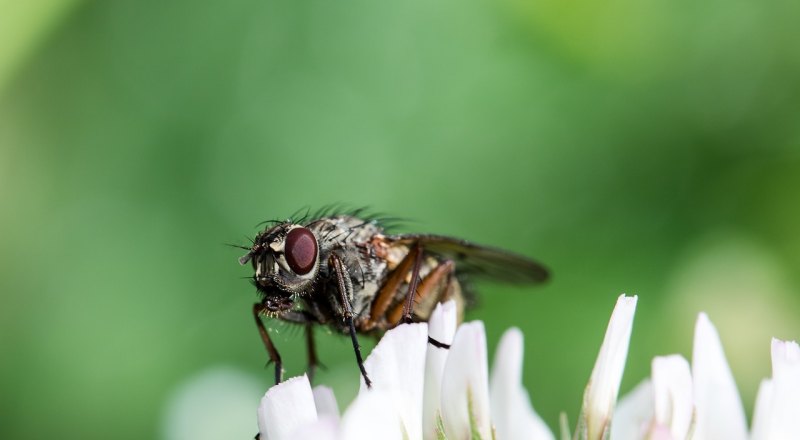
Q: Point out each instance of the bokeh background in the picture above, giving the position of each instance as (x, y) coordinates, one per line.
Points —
(639, 146)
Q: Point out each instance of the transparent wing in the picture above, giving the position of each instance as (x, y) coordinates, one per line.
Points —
(476, 260)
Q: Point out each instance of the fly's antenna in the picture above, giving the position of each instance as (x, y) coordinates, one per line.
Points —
(245, 258)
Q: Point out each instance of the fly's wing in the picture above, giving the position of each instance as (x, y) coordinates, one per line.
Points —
(476, 260)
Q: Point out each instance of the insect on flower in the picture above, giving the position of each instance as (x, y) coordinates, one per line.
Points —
(345, 271)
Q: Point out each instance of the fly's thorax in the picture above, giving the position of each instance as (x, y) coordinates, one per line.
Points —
(342, 231)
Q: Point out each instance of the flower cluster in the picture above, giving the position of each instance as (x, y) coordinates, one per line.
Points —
(424, 392)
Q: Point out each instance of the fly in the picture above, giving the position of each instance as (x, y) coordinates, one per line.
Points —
(345, 271)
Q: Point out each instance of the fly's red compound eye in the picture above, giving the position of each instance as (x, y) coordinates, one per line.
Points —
(301, 250)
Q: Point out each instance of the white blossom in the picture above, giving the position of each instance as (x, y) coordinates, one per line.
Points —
(719, 413)
(600, 396)
(285, 408)
(512, 413)
(421, 391)
(777, 412)
(402, 364)
(442, 328)
(702, 402)
(672, 394)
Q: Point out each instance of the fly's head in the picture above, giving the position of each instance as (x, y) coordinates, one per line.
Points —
(285, 259)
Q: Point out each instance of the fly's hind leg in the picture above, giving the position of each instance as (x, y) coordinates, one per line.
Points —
(389, 289)
(412, 286)
(437, 286)
(274, 356)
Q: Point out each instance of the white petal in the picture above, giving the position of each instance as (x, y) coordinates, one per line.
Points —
(371, 417)
(396, 367)
(719, 411)
(325, 401)
(325, 428)
(285, 408)
(784, 422)
(601, 392)
(465, 384)
(442, 328)
(512, 413)
(660, 433)
(672, 389)
(634, 413)
(762, 411)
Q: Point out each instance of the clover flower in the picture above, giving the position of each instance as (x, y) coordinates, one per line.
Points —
(424, 392)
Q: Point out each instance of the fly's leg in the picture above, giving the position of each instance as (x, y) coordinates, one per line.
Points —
(440, 278)
(357, 349)
(274, 356)
(307, 321)
(414, 259)
(311, 349)
(412, 286)
(435, 287)
(345, 291)
(295, 317)
(387, 292)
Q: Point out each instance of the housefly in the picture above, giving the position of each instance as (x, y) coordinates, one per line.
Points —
(347, 272)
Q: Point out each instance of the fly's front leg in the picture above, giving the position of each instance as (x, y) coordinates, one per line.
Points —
(311, 350)
(345, 287)
(274, 356)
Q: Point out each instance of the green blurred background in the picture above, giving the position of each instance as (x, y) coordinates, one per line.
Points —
(639, 146)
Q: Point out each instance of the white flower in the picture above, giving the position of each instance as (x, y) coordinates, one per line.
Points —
(672, 391)
(465, 391)
(397, 370)
(292, 403)
(512, 413)
(704, 404)
(685, 402)
(634, 414)
(718, 407)
(419, 391)
(601, 393)
(442, 328)
(424, 392)
(777, 412)
(371, 416)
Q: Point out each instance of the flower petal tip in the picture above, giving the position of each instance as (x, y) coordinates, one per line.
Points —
(443, 322)
(787, 351)
(627, 300)
(601, 393)
(513, 335)
(285, 407)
